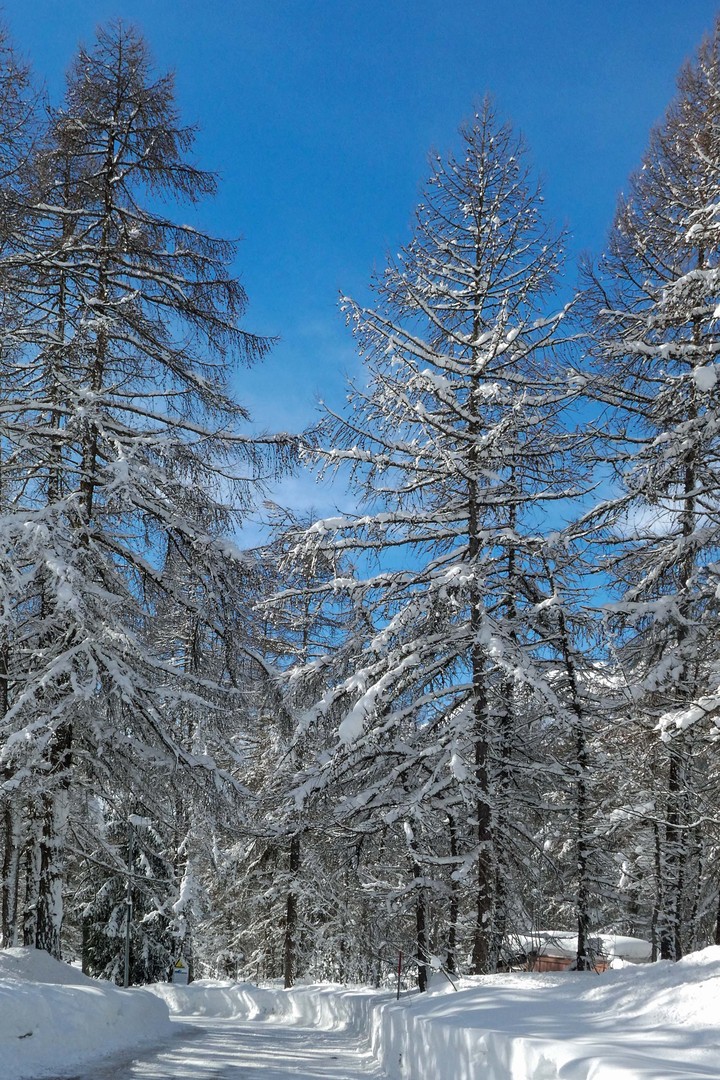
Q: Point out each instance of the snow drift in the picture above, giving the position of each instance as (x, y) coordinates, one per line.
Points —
(650, 1022)
(325, 1006)
(53, 1017)
(654, 1022)
(640, 1023)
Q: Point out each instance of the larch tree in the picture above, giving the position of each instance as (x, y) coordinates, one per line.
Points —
(19, 128)
(455, 449)
(122, 442)
(653, 301)
(295, 624)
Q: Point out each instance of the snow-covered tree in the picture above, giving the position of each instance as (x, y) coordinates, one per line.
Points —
(455, 449)
(19, 126)
(654, 301)
(295, 623)
(121, 441)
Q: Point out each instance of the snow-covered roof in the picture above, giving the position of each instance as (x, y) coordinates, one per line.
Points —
(563, 943)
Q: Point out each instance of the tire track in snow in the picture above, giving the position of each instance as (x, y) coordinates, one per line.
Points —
(220, 1049)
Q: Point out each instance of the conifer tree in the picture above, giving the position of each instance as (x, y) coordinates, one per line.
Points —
(123, 441)
(654, 300)
(19, 128)
(453, 448)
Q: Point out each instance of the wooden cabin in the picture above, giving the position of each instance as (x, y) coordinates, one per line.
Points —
(556, 950)
(546, 961)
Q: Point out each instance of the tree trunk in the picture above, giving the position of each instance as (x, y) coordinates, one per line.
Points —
(12, 833)
(583, 960)
(421, 934)
(50, 884)
(485, 878)
(671, 870)
(697, 861)
(12, 824)
(658, 900)
(291, 917)
(32, 882)
(454, 911)
(55, 805)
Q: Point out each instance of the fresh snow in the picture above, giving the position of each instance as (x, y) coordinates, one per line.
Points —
(560, 943)
(641, 1022)
(233, 1049)
(705, 377)
(53, 1018)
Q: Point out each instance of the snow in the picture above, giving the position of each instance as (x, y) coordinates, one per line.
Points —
(52, 1017)
(681, 719)
(641, 1022)
(561, 943)
(705, 378)
(232, 1049)
(457, 766)
(352, 726)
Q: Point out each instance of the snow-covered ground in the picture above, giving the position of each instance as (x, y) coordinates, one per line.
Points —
(231, 1049)
(52, 1017)
(650, 1022)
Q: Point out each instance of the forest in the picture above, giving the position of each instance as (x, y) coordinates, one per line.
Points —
(484, 703)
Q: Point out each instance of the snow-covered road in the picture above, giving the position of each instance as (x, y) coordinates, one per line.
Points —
(217, 1049)
(640, 1022)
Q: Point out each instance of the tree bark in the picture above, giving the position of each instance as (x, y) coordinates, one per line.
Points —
(12, 833)
(421, 934)
(32, 880)
(671, 868)
(291, 916)
(55, 805)
(454, 911)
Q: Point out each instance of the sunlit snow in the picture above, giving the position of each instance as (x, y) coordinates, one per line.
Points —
(641, 1022)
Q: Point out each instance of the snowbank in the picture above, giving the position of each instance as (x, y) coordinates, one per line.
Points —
(650, 1023)
(53, 1018)
(655, 1022)
(331, 1008)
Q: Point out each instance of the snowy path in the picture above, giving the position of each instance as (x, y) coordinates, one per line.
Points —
(240, 1050)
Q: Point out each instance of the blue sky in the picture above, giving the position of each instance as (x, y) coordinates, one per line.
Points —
(320, 115)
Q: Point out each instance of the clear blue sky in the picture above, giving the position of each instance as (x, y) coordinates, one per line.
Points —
(319, 115)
